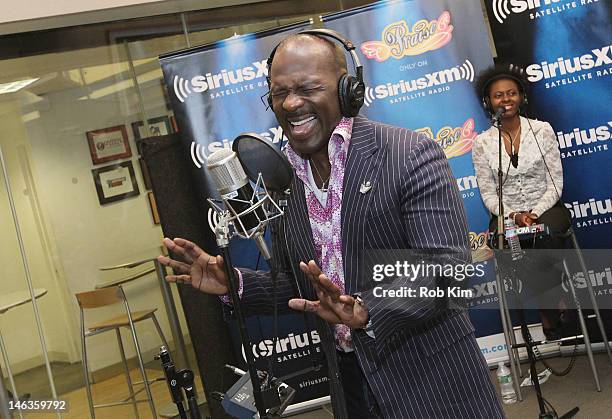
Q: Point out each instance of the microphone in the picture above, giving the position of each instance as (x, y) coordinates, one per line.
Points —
(498, 114)
(248, 215)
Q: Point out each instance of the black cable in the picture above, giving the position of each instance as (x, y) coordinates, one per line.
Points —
(307, 320)
(571, 363)
(552, 181)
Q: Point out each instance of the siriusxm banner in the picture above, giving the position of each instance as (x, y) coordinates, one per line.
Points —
(216, 93)
(420, 59)
(564, 46)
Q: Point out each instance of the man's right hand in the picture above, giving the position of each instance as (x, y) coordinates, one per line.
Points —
(204, 272)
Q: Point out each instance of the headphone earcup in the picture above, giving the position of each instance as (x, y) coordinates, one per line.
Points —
(343, 94)
(351, 95)
(357, 95)
(486, 104)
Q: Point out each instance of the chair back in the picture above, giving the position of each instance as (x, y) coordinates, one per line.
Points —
(100, 298)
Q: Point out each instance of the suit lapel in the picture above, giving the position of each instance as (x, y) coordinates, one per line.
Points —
(361, 173)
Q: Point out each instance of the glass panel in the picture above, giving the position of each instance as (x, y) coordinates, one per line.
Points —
(76, 111)
(71, 228)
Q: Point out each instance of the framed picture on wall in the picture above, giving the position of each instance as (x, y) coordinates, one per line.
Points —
(115, 182)
(146, 176)
(157, 126)
(153, 206)
(108, 144)
(173, 123)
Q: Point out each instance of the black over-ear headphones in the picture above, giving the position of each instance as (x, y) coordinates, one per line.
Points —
(351, 89)
(514, 73)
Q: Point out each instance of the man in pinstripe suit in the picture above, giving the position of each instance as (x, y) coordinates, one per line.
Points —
(359, 186)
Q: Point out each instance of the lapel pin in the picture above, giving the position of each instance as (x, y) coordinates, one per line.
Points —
(365, 187)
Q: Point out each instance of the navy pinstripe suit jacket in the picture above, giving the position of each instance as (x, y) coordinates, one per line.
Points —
(424, 361)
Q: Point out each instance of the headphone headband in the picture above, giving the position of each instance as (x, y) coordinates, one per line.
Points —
(346, 43)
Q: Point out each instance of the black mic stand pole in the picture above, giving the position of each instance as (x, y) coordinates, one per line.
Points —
(172, 380)
(503, 303)
(222, 237)
(187, 383)
(500, 181)
(308, 324)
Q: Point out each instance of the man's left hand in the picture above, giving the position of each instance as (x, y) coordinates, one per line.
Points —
(332, 306)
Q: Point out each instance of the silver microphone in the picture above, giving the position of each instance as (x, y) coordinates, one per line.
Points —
(248, 215)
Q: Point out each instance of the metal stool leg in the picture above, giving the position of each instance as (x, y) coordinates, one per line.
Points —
(126, 368)
(86, 369)
(141, 365)
(159, 331)
(583, 268)
(585, 333)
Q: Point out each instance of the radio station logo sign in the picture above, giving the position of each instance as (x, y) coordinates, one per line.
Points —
(601, 281)
(593, 212)
(287, 348)
(455, 141)
(398, 40)
(200, 152)
(467, 187)
(583, 142)
(503, 9)
(566, 71)
(429, 84)
(224, 83)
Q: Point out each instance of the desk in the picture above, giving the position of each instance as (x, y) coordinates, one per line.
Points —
(7, 302)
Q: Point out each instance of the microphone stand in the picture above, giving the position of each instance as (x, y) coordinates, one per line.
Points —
(222, 237)
(178, 381)
(500, 179)
(528, 341)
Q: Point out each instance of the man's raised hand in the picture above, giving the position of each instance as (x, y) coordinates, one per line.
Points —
(332, 306)
(196, 267)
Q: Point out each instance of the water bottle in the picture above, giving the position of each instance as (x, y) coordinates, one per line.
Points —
(505, 384)
(512, 239)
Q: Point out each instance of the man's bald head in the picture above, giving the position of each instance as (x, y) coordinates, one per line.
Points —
(335, 51)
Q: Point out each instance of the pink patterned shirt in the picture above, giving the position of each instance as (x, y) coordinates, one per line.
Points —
(325, 214)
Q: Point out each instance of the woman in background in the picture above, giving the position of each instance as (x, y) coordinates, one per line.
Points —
(532, 180)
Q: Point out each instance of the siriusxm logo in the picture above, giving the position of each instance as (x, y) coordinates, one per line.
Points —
(290, 343)
(466, 183)
(503, 8)
(487, 289)
(595, 58)
(578, 137)
(598, 279)
(200, 153)
(590, 208)
(434, 80)
(225, 78)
